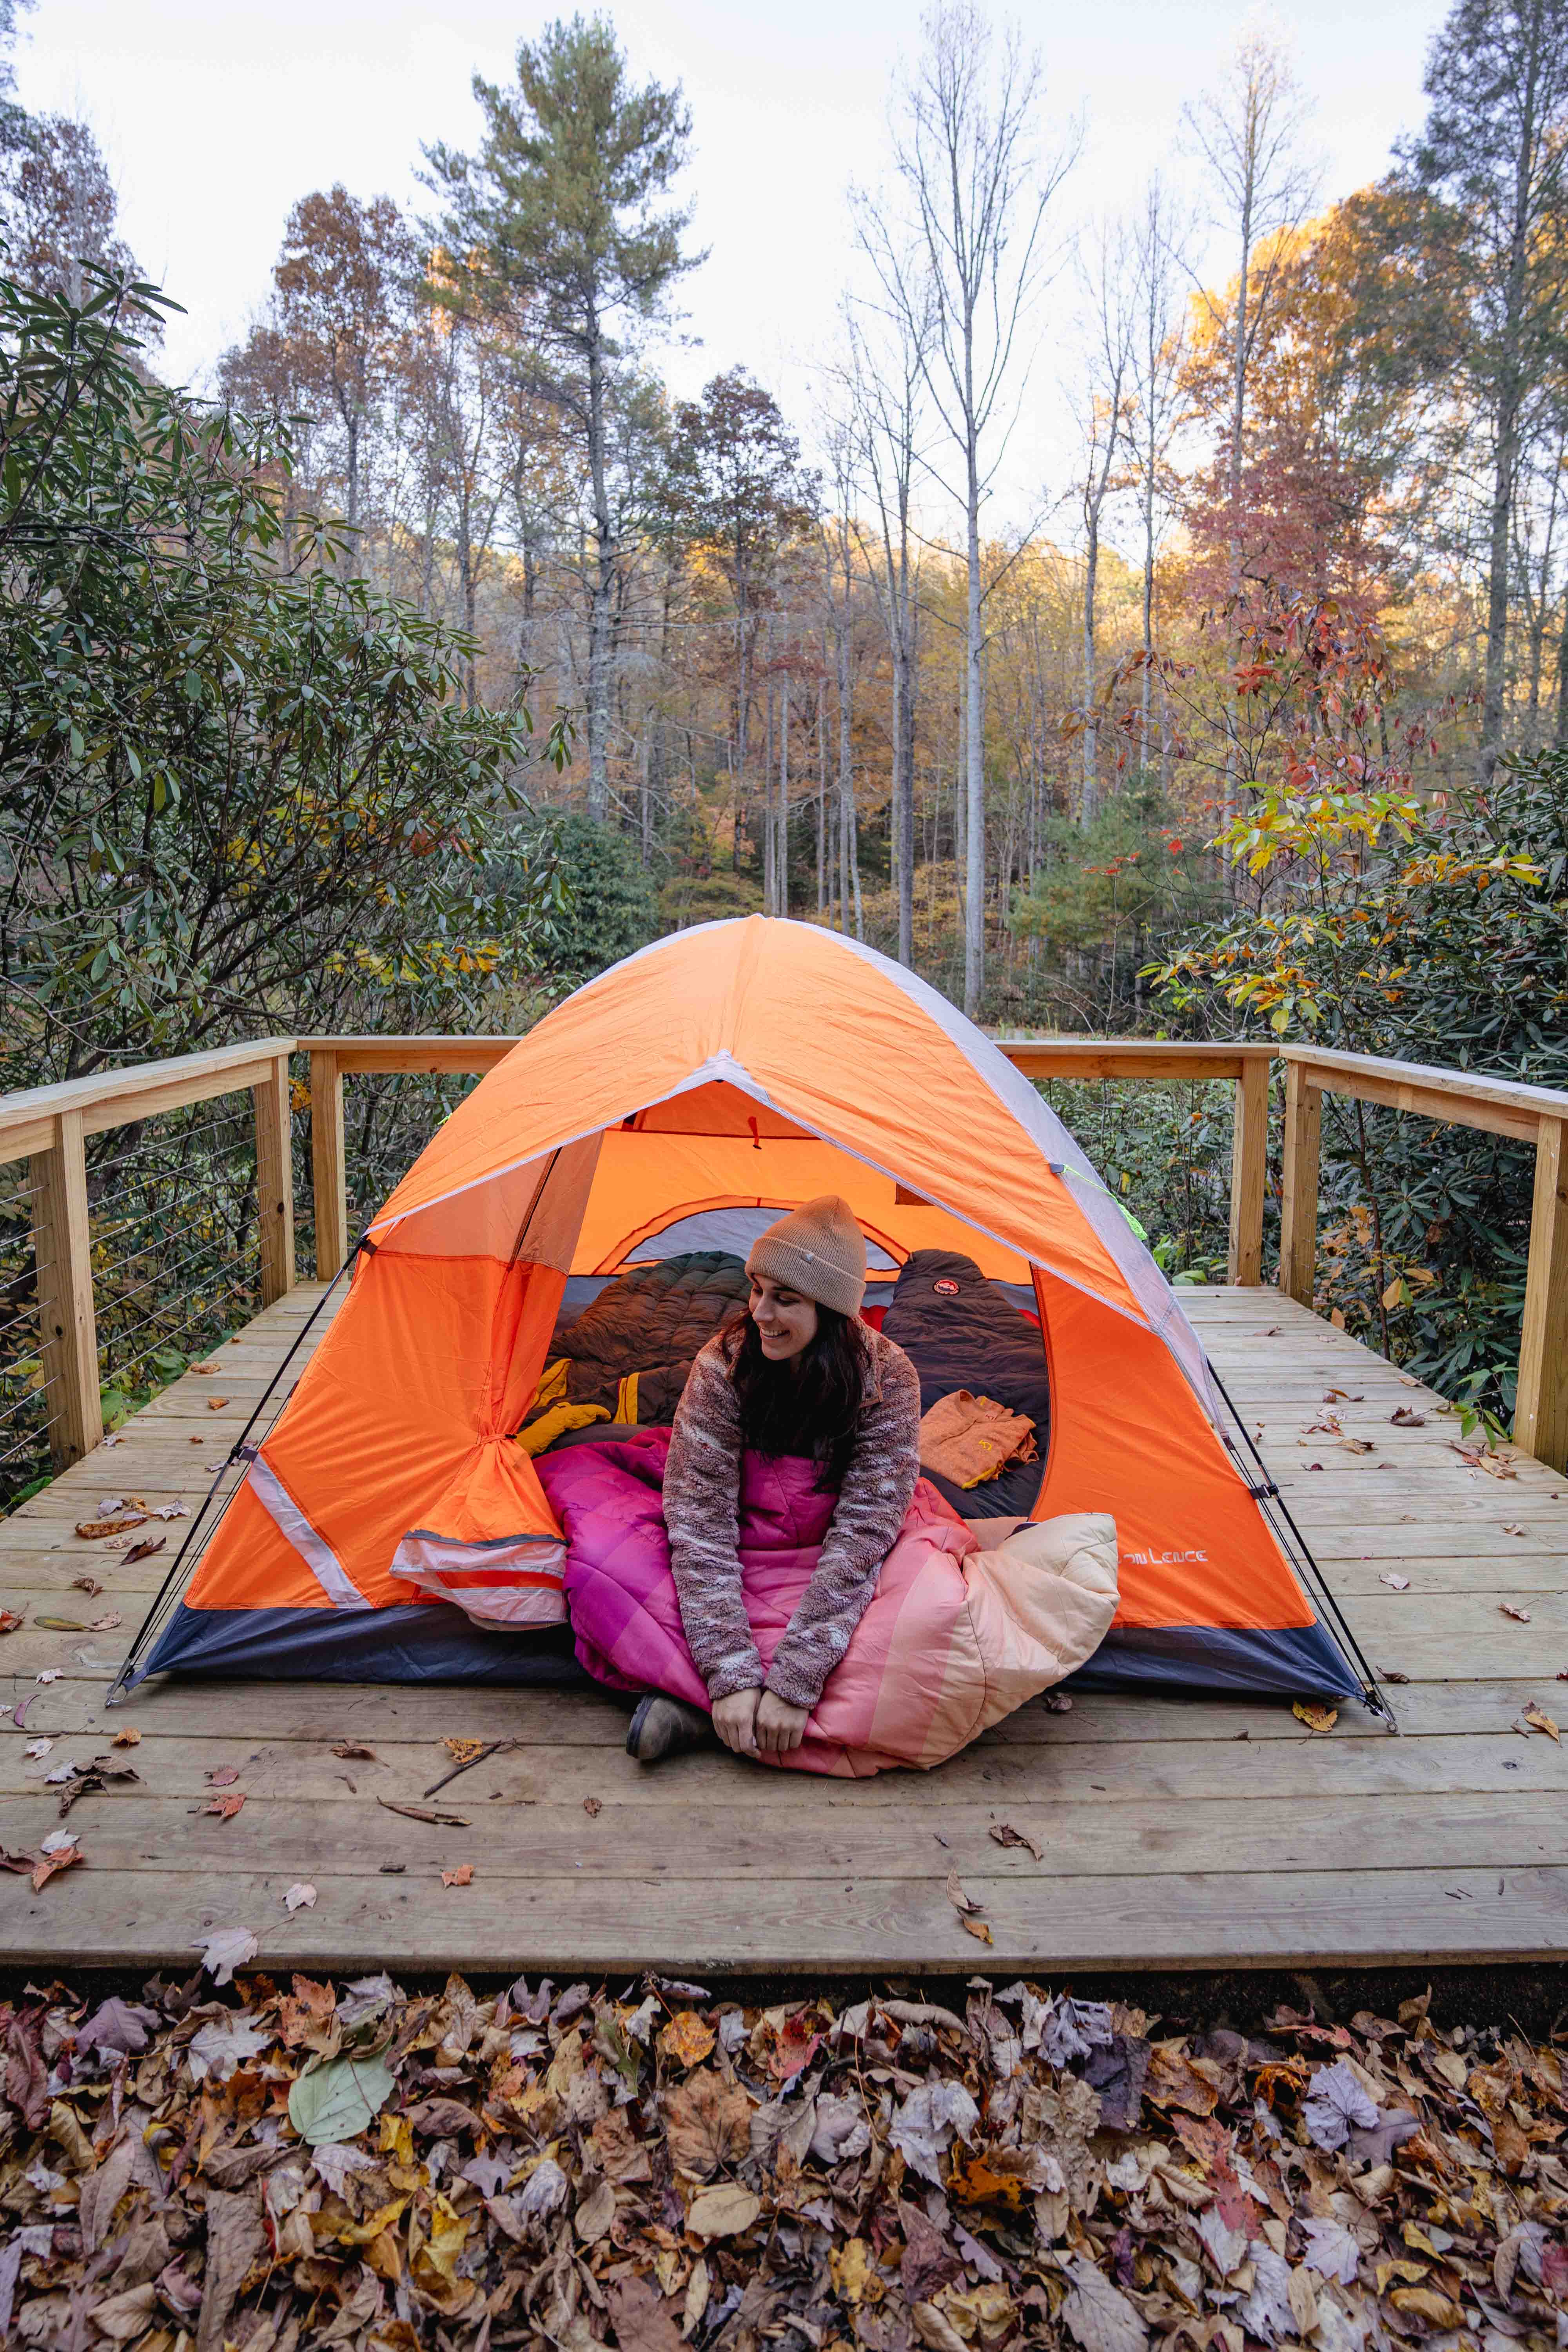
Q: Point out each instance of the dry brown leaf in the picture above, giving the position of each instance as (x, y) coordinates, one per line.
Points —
(145, 1549)
(687, 2039)
(216, 1405)
(106, 1623)
(725, 2211)
(976, 1927)
(640, 2316)
(9, 1619)
(1315, 1717)
(128, 1737)
(463, 1751)
(115, 1525)
(707, 2123)
(592, 1807)
(1511, 1608)
(213, 1367)
(54, 1859)
(1539, 1720)
(960, 1901)
(426, 1813)
(227, 1807)
(88, 1584)
(462, 1876)
(356, 1750)
(221, 1776)
(1402, 1418)
(1005, 1835)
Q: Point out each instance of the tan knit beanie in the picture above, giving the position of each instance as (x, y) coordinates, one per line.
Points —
(819, 1251)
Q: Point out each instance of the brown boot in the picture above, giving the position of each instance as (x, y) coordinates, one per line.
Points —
(663, 1727)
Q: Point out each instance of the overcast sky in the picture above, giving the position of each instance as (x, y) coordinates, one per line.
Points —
(215, 117)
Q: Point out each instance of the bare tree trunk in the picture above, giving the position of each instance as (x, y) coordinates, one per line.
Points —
(601, 619)
(781, 853)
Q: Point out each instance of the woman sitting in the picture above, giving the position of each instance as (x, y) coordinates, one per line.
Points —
(799, 1375)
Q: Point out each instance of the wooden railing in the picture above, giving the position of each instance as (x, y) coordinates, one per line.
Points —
(1537, 1115)
(48, 1123)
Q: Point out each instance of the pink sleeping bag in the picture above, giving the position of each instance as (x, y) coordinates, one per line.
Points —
(955, 1638)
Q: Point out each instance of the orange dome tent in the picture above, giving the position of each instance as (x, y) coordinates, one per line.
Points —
(745, 1063)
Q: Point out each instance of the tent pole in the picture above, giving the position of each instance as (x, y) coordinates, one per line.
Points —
(1268, 1493)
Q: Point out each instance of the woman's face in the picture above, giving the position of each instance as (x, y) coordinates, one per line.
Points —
(787, 1323)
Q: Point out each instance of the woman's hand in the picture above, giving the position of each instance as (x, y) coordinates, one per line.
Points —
(780, 1726)
(735, 1720)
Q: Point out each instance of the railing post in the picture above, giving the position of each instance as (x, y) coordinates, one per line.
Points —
(1541, 1408)
(329, 1173)
(1249, 1171)
(1299, 1205)
(62, 1241)
(274, 1181)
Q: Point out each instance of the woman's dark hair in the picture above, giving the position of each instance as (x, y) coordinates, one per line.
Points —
(812, 1410)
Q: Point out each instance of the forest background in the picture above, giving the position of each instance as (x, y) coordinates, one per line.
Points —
(437, 654)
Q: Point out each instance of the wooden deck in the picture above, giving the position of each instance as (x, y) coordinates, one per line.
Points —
(1175, 1833)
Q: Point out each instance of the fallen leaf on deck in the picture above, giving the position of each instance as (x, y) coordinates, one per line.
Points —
(1005, 1835)
(1396, 1583)
(1312, 1465)
(57, 1852)
(224, 1807)
(88, 1584)
(90, 1529)
(145, 1549)
(221, 1775)
(687, 2039)
(224, 1950)
(170, 1511)
(960, 1901)
(216, 1405)
(37, 1747)
(300, 1896)
(85, 1778)
(593, 1806)
(1510, 1609)
(1510, 1528)
(462, 1876)
(355, 1750)
(1357, 1444)
(112, 1617)
(1402, 1418)
(47, 1674)
(463, 1751)
(1315, 1717)
(426, 1813)
(1056, 1702)
(722, 2212)
(61, 1624)
(1392, 1674)
(1539, 1720)
(9, 1619)
(976, 1927)
(198, 1441)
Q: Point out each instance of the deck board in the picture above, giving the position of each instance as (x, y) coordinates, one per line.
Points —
(1177, 1832)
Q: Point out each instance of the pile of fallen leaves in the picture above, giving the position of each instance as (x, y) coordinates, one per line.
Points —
(227, 2162)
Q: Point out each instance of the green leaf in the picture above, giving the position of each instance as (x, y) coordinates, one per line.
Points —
(340, 2100)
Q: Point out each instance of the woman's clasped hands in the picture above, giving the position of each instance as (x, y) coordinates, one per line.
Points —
(753, 1722)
